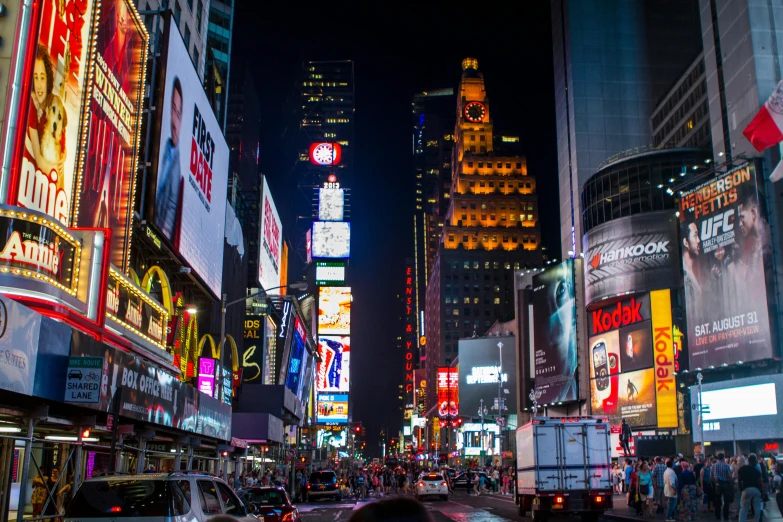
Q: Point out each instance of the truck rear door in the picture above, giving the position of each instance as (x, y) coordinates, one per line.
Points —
(547, 448)
(598, 456)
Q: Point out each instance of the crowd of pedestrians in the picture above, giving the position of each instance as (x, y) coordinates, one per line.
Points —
(681, 490)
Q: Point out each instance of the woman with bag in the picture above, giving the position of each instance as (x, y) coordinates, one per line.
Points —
(644, 480)
(688, 495)
(633, 491)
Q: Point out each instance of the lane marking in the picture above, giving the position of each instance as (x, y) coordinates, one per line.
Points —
(337, 516)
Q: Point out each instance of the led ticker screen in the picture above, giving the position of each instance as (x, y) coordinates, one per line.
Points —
(329, 273)
(334, 310)
(331, 204)
(332, 408)
(331, 239)
(334, 371)
(448, 392)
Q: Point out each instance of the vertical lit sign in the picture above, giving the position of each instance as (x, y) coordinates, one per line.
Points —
(409, 337)
(271, 243)
(206, 376)
(105, 195)
(665, 390)
(448, 393)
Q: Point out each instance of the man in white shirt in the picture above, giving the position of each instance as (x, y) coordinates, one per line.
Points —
(670, 490)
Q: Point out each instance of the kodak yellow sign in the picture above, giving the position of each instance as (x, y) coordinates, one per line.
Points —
(665, 386)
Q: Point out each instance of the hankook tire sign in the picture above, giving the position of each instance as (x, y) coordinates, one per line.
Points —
(631, 254)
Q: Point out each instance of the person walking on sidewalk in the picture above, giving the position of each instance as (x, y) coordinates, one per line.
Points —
(749, 479)
(657, 473)
(670, 490)
(723, 488)
(777, 483)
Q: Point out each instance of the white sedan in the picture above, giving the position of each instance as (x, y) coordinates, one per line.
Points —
(432, 485)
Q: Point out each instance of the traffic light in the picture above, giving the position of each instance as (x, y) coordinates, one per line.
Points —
(357, 429)
(86, 433)
(364, 431)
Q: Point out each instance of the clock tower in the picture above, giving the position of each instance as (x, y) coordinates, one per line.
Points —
(474, 126)
(490, 230)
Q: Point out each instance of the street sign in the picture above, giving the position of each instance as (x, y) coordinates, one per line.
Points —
(83, 380)
(501, 421)
(291, 452)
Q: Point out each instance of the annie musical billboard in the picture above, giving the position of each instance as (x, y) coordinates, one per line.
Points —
(192, 168)
(727, 266)
(44, 180)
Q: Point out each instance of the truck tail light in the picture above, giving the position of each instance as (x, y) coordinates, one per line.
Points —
(558, 499)
(599, 499)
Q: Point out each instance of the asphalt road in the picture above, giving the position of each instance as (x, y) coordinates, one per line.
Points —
(459, 508)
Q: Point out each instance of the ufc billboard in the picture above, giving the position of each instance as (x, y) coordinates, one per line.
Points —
(633, 254)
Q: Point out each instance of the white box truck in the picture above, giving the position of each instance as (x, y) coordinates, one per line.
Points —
(564, 467)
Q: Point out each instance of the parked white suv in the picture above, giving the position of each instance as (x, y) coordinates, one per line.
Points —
(155, 497)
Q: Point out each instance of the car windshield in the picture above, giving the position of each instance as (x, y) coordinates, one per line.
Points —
(321, 476)
(264, 496)
(121, 499)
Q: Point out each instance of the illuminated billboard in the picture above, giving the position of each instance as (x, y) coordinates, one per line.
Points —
(329, 273)
(334, 310)
(205, 381)
(296, 359)
(192, 168)
(331, 204)
(325, 154)
(331, 409)
(448, 392)
(554, 335)
(333, 373)
(105, 192)
(633, 342)
(478, 374)
(271, 243)
(331, 239)
(47, 153)
(727, 265)
(631, 396)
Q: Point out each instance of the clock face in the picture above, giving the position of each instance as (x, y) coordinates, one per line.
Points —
(325, 154)
(475, 112)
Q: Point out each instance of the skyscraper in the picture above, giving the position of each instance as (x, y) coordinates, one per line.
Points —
(221, 18)
(613, 60)
(191, 18)
(490, 229)
(433, 140)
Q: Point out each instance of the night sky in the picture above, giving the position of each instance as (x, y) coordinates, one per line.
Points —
(396, 54)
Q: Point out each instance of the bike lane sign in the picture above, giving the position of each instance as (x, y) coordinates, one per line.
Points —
(83, 380)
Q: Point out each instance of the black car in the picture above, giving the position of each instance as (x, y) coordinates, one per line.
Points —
(270, 503)
(324, 484)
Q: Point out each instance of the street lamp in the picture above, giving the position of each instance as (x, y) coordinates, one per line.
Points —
(482, 411)
(301, 285)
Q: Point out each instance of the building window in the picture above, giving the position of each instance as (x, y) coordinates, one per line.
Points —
(497, 288)
(177, 11)
(484, 138)
(519, 165)
(475, 265)
(497, 300)
(464, 217)
(199, 12)
(486, 265)
(466, 300)
(455, 312)
(464, 204)
(196, 56)
(495, 265)
(485, 238)
(473, 206)
(494, 238)
(466, 311)
(516, 265)
(470, 164)
(187, 36)
(466, 265)
(451, 238)
(508, 265)
(464, 239)
(473, 217)
(448, 361)
(475, 300)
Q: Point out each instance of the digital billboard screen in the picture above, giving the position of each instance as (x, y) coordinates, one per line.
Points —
(192, 168)
(478, 374)
(631, 254)
(329, 273)
(629, 396)
(271, 243)
(205, 382)
(448, 392)
(331, 204)
(293, 379)
(331, 239)
(331, 408)
(44, 176)
(727, 266)
(107, 188)
(554, 335)
(333, 373)
(334, 310)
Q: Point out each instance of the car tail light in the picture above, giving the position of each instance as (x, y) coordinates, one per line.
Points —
(421, 484)
(116, 509)
(558, 500)
(443, 484)
(288, 517)
(308, 486)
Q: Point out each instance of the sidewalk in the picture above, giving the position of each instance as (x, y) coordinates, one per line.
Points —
(622, 512)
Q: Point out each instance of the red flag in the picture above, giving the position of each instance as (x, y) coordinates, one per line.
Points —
(766, 128)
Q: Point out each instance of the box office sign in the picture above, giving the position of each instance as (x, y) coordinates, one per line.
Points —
(129, 307)
(35, 246)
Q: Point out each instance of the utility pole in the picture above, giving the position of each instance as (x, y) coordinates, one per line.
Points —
(482, 411)
(500, 402)
(699, 376)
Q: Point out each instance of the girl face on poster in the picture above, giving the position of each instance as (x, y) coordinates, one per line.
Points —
(43, 80)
